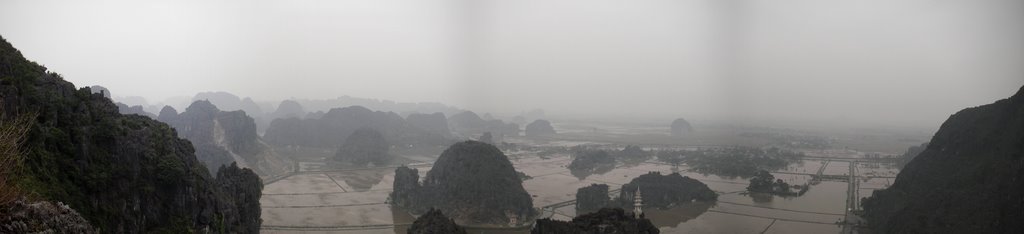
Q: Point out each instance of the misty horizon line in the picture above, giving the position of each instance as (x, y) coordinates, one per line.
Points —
(270, 105)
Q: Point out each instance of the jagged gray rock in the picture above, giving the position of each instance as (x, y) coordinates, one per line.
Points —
(23, 216)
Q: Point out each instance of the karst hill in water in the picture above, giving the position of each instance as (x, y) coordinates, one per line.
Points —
(472, 182)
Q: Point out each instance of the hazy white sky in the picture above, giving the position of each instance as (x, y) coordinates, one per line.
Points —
(896, 62)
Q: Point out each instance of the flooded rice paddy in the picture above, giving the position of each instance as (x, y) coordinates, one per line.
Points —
(319, 200)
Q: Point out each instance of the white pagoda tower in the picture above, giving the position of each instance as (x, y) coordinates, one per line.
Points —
(638, 203)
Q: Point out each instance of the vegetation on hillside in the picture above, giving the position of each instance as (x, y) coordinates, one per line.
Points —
(472, 182)
(604, 221)
(966, 180)
(123, 173)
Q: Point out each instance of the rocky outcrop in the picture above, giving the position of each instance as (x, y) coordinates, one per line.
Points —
(223, 100)
(680, 127)
(23, 216)
(540, 127)
(223, 137)
(122, 173)
(663, 191)
(229, 102)
(167, 115)
(100, 90)
(471, 181)
(133, 110)
(405, 187)
(244, 206)
(365, 145)
(434, 222)
(604, 221)
(336, 125)
(196, 124)
(967, 179)
(592, 198)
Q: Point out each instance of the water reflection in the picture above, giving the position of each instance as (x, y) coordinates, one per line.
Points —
(363, 180)
(761, 197)
(678, 214)
(401, 218)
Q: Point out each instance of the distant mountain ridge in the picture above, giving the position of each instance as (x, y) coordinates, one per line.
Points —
(331, 129)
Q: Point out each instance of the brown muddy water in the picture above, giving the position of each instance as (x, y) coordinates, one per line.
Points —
(318, 200)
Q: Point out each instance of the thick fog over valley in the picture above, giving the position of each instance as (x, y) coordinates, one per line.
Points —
(829, 62)
(512, 116)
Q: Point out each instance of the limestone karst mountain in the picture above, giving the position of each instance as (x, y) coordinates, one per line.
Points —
(365, 145)
(473, 182)
(967, 179)
(81, 152)
(470, 125)
(540, 127)
(592, 198)
(663, 191)
(435, 123)
(223, 137)
(680, 127)
(288, 109)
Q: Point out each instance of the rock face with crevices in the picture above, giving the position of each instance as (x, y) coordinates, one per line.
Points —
(22, 216)
(967, 180)
(224, 137)
(122, 173)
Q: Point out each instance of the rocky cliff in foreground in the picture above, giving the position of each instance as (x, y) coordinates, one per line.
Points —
(968, 179)
(604, 221)
(122, 173)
